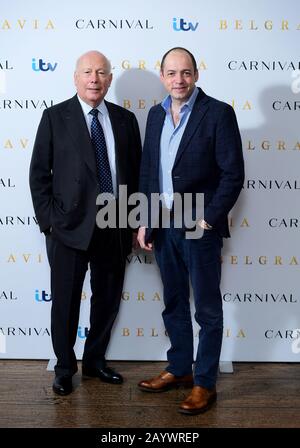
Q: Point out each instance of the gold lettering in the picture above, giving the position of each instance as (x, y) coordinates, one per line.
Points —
(234, 259)
(125, 332)
(247, 105)
(142, 104)
(223, 25)
(24, 142)
(8, 144)
(39, 258)
(6, 25)
(241, 334)
(278, 260)
(202, 66)
(21, 23)
(262, 259)
(141, 296)
(249, 145)
(126, 104)
(265, 144)
(245, 223)
(11, 258)
(157, 65)
(227, 333)
(268, 24)
(281, 144)
(83, 295)
(297, 145)
(142, 64)
(153, 333)
(252, 25)
(285, 25)
(125, 295)
(49, 25)
(248, 260)
(26, 257)
(238, 25)
(140, 332)
(156, 297)
(35, 24)
(293, 261)
(125, 64)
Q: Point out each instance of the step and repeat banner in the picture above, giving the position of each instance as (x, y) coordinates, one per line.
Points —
(248, 56)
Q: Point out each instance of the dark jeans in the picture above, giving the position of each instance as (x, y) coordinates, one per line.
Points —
(199, 260)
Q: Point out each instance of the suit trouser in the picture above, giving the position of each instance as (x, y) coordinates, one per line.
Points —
(68, 270)
(199, 260)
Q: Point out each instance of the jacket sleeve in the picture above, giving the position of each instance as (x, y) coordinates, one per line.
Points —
(229, 159)
(40, 173)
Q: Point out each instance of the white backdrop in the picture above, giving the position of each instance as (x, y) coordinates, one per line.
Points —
(247, 54)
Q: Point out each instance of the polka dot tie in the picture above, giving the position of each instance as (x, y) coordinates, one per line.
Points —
(102, 162)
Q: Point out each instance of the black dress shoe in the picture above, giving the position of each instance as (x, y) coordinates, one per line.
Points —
(105, 374)
(62, 385)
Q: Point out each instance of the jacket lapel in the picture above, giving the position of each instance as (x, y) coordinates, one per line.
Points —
(118, 124)
(155, 131)
(76, 125)
(199, 110)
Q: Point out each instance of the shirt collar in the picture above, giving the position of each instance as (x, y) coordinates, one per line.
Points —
(87, 108)
(166, 103)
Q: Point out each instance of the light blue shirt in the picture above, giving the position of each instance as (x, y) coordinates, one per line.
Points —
(103, 117)
(169, 143)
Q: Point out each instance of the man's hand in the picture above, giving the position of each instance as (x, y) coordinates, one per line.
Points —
(204, 225)
(141, 239)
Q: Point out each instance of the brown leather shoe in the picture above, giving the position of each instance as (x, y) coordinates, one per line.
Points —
(165, 381)
(199, 400)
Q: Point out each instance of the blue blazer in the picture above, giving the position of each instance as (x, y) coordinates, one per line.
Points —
(209, 159)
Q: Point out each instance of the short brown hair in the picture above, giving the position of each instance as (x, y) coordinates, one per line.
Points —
(179, 49)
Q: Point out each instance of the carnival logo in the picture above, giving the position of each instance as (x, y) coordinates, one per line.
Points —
(113, 24)
(263, 65)
(7, 295)
(10, 104)
(5, 65)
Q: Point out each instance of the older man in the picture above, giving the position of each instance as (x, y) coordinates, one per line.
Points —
(84, 146)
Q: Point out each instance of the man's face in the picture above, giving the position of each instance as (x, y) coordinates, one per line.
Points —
(92, 78)
(178, 75)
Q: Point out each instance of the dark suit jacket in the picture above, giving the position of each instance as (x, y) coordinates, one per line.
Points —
(209, 159)
(63, 177)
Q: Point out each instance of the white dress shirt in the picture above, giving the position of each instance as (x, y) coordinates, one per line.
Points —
(103, 117)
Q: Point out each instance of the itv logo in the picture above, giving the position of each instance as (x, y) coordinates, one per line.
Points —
(183, 25)
(82, 332)
(40, 65)
(42, 296)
